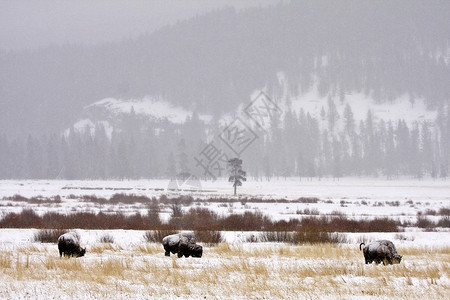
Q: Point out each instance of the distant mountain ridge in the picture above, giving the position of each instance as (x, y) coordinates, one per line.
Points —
(212, 63)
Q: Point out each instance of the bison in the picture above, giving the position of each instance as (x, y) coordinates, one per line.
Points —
(182, 244)
(381, 251)
(69, 245)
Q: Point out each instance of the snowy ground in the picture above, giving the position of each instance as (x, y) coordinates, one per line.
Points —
(356, 198)
(131, 268)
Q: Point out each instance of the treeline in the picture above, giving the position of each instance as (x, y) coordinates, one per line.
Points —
(336, 145)
(202, 219)
(197, 219)
(300, 145)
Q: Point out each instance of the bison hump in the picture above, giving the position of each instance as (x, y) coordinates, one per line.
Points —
(69, 237)
(372, 247)
(182, 238)
(171, 240)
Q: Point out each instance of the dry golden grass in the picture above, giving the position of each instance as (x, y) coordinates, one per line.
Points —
(102, 247)
(228, 271)
(5, 260)
(423, 250)
(148, 248)
(32, 248)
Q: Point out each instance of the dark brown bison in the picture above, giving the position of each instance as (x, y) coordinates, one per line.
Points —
(69, 245)
(182, 244)
(381, 251)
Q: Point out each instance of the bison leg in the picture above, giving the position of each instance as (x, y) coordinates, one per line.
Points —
(167, 250)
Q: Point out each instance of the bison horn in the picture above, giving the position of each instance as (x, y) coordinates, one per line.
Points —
(360, 246)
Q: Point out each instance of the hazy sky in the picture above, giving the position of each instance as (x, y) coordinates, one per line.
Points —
(35, 24)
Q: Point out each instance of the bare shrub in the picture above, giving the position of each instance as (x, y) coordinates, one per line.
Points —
(129, 199)
(106, 238)
(16, 198)
(48, 235)
(423, 222)
(307, 200)
(177, 211)
(94, 199)
(315, 211)
(277, 236)
(316, 236)
(380, 225)
(153, 218)
(25, 219)
(156, 236)
(429, 212)
(196, 218)
(444, 211)
(210, 237)
(35, 200)
(181, 200)
(249, 221)
(337, 213)
(307, 211)
(444, 222)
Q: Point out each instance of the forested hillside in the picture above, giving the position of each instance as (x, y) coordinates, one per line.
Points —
(210, 65)
(213, 62)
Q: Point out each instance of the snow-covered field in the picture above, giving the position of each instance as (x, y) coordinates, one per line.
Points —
(132, 268)
(354, 197)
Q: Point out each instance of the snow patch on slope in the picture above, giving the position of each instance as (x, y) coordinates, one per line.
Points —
(148, 106)
(109, 111)
(399, 109)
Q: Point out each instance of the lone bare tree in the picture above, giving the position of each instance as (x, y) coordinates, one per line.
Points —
(237, 175)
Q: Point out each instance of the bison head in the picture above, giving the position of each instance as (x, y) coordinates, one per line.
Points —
(396, 259)
(196, 251)
(82, 252)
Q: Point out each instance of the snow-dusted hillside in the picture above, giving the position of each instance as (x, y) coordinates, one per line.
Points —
(111, 113)
(399, 109)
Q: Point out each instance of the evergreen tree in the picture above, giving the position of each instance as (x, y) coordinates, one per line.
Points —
(349, 120)
(333, 115)
(237, 175)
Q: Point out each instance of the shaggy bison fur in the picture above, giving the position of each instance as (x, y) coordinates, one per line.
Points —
(182, 244)
(69, 245)
(381, 251)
